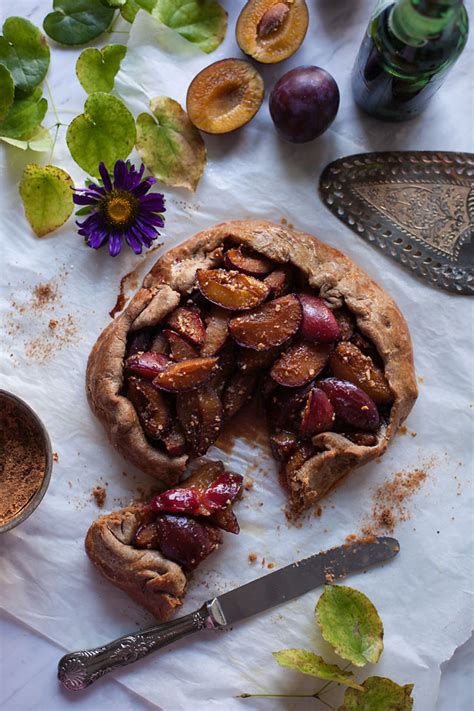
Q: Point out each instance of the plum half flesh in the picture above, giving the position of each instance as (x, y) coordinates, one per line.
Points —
(224, 96)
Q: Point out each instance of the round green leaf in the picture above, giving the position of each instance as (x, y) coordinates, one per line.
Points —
(24, 117)
(313, 665)
(131, 7)
(203, 22)
(105, 132)
(46, 192)
(41, 141)
(378, 694)
(96, 68)
(7, 91)
(24, 52)
(170, 145)
(77, 21)
(351, 624)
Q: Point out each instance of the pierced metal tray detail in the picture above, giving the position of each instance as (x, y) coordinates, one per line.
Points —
(417, 207)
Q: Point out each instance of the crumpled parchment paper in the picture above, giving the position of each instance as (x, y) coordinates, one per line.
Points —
(424, 596)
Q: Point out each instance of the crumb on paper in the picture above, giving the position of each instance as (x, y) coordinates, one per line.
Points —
(329, 577)
(55, 457)
(421, 379)
(390, 500)
(270, 565)
(248, 485)
(252, 557)
(402, 430)
(99, 494)
(413, 434)
(318, 511)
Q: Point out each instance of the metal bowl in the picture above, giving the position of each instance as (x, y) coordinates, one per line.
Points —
(30, 415)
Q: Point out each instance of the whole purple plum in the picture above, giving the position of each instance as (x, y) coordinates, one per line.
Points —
(304, 103)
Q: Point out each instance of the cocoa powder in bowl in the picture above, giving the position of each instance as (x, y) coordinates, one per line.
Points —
(25, 460)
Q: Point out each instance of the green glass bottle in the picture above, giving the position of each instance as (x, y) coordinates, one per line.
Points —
(406, 53)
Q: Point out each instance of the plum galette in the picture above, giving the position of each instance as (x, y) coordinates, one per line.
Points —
(254, 309)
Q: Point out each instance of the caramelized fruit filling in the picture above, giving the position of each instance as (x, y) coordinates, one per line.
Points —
(251, 325)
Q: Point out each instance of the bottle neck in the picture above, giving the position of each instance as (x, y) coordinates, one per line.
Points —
(417, 21)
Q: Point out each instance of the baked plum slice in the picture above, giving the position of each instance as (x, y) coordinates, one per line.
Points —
(233, 290)
(318, 414)
(319, 323)
(224, 96)
(182, 539)
(180, 348)
(279, 282)
(217, 332)
(351, 404)
(200, 415)
(301, 363)
(188, 324)
(283, 444)
(196, 499)
(237, 392)
(174, 440)
(151, 407)
(146, 365)
(186, 374)
(348, 362)
(251, 361)
(248, 262)
(271, 31)
(272, 324)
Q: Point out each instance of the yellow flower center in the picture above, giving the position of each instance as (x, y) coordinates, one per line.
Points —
(119, 208)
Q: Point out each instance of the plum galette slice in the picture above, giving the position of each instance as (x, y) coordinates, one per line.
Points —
(150, 551)
(251, 309)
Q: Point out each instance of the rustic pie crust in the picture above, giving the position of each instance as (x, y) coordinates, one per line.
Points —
(330, 275)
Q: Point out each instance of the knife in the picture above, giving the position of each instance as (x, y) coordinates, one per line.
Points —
(78, 670)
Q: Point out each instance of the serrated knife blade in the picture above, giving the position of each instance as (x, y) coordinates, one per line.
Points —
(78, 670)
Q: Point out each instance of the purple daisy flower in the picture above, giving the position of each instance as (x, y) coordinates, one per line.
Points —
(120, 209)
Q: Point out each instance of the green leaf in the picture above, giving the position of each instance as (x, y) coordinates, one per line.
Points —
(24, 117)
(351, 624)
(379, 694)
(24, 52)
(41, 141)
(105, 132)
(131, 7)
(46, 192)
(203, 22)
(313, 665)
(96, 68)
(170, 145)
(7, 91)
(77, 21)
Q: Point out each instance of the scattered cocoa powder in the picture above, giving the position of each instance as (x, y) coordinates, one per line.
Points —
(99, 494)
(390, 499)
(22, 460)
(44, 295)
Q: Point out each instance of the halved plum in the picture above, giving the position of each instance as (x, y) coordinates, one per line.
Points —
(250, 361)
(188, 323)
(224, 96)
(217, 494)
(301, 363)
(146, 365)
(270, 325)
(186, 374)
(245, 260)
(318, 414)
(217, 332)
(174, 440)
(351, 404)
(237, 392)
(225, 368)
(319, 323)
(200, 415)
(180, 348)
(151, 407)
(138, 341)
(233, 290)
(348, 362)
(271, 30)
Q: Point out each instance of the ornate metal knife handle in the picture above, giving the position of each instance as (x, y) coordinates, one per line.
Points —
(78, 670)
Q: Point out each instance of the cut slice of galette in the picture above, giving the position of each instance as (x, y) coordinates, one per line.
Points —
(254, 309)
(149, 551)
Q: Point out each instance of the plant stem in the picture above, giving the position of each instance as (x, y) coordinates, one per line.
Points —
(112, 31)
(54, 140)
(289, 696)
(52, 101)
